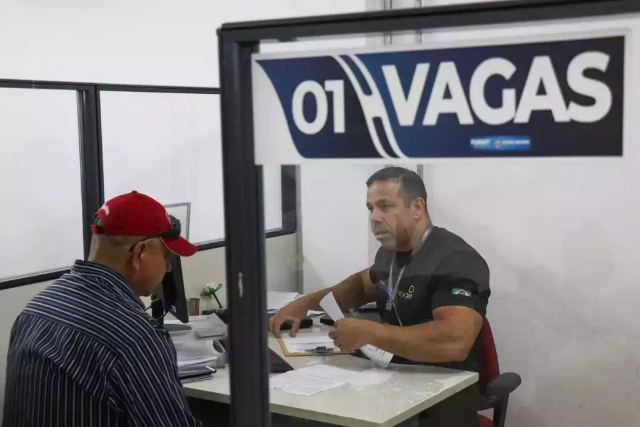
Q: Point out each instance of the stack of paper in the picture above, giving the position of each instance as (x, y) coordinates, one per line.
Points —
(193, 350)
(192, 374)
(205, 361)
(308, 341)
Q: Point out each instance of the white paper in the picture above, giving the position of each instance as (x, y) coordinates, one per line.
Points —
(311, 313)
(277, 300)
(303, 382)
(358, 378)
(379, 357)
(196, 362)
(331, 307)
(306, 341)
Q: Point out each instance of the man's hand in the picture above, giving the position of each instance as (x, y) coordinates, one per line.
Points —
(351, 334)
(294, 311)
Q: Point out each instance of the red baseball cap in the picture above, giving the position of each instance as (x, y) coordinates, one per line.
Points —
(135, 214)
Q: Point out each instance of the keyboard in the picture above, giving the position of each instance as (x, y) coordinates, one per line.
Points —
(277, 364)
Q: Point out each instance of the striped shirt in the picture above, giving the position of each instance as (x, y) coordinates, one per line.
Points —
(84, 353)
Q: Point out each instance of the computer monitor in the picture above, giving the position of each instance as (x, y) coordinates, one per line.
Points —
(171, 297)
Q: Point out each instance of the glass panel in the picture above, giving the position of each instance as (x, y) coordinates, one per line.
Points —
(41, 213)
(168, 146)
(523, 136)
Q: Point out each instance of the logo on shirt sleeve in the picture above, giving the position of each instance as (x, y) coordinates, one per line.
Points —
(459, 291)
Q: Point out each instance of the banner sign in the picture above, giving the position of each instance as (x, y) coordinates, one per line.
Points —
(543, 99)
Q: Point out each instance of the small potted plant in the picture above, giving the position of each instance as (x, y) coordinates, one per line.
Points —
(210, 290)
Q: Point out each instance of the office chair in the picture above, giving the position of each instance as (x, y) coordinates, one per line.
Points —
(494, 387)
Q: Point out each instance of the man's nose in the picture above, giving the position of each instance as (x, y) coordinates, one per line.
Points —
(376, 216)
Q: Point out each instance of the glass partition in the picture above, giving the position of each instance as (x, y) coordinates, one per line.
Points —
(522, 134)
(40, 181)
(167, 145)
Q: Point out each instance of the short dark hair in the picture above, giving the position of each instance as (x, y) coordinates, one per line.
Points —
(411, 185)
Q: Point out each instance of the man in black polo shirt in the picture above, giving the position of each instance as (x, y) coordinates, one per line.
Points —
(430, 286)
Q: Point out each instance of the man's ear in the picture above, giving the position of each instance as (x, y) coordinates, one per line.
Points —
(137, 253)
(418, 208)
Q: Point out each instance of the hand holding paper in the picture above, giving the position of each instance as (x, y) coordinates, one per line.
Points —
(331, 307)
(351, 334)
(378, 356)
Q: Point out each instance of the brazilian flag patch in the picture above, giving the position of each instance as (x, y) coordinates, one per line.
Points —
(459, 291)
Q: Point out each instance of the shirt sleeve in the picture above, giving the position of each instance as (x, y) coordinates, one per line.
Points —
(147, 387)
(462, 279)
(372, 275)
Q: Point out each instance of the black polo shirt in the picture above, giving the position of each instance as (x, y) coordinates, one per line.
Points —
(445, 271)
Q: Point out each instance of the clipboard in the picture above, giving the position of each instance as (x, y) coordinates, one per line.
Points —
(318, 351)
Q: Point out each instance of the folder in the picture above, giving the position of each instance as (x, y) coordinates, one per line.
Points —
(310, 343)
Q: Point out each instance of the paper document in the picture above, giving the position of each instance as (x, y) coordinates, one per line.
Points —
(277, 300)
(307, 341)
(303, 382)
(378, 356)
(331, 307)
(358, 378)
(207, 361)
(318, 378)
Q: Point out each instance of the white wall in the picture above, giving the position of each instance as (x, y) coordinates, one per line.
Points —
(154, 42)
(335, 228)
(561, 241)
(561, 244)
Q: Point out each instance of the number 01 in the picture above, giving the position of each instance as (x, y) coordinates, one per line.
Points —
(336, 87)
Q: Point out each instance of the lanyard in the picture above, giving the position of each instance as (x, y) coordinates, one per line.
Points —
(392, 288)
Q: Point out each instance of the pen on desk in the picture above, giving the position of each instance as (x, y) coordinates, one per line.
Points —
(321, 351)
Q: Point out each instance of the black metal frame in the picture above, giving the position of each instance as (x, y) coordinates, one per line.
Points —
(245, 253)
(91, 167)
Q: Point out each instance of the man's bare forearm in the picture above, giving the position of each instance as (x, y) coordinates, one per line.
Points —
(448, 338)
(433, 342)
(350, 293)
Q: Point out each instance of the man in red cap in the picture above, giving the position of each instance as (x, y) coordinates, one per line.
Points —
(84, 351)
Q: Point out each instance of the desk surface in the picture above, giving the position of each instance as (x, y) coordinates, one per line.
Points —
(407, 391)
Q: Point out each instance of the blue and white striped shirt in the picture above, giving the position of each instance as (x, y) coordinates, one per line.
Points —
(84, 353)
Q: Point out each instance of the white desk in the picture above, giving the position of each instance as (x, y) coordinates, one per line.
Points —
(407, 392)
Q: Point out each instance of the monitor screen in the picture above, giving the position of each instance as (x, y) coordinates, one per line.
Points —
(174, 298)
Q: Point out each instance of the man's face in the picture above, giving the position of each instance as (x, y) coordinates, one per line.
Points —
(151, 261)
(391, 221)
